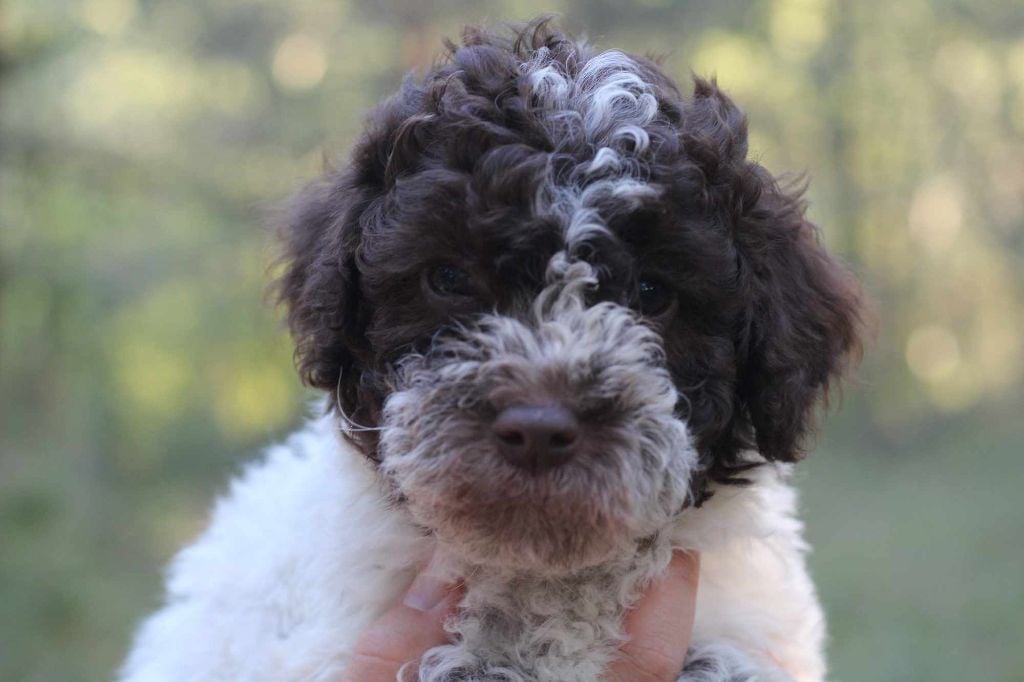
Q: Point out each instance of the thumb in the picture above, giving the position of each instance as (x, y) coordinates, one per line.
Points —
(660, 625)
(405, 632)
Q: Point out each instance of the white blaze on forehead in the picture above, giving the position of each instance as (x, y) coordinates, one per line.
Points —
(604, 108)
(608, 93)
(548, 83)
(583, 218)
(613, 96)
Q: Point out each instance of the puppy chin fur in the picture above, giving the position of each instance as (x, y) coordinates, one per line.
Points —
(305, 551)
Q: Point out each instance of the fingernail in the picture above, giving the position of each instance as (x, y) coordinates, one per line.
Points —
(426, 592)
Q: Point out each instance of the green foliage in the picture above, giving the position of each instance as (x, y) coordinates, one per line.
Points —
(141, 141)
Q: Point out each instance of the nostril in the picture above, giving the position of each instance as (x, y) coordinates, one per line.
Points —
(562, 439)
(510, 436)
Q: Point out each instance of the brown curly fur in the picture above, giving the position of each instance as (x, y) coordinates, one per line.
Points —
(764, 319)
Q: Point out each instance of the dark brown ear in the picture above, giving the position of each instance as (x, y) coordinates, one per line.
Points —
(802, 323)
(804, 319)
(321, 232)
(714, 129)
(319, 285)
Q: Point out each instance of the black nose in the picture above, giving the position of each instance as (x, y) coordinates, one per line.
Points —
(536, 437)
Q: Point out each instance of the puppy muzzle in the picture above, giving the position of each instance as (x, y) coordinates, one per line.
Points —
(549, 443)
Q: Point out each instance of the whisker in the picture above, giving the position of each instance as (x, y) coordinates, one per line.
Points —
(350, 424)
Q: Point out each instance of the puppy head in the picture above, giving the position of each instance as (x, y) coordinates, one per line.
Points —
(561, 298)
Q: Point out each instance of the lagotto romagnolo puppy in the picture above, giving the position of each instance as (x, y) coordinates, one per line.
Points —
(565, 326)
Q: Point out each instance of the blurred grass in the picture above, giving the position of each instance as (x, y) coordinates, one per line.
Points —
(140, 142)
(918, 554)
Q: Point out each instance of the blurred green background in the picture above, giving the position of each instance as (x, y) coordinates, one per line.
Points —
(141, 141)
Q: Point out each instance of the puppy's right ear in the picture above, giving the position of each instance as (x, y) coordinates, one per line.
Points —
(715, 129)
(321, 232)
(319, 285)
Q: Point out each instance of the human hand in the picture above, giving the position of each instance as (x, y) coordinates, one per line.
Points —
(659, 627)
(405, 632)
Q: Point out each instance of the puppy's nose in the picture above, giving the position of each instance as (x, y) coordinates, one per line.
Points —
(536, 437)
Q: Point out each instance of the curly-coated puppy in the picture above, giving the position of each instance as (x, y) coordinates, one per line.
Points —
(565, 326)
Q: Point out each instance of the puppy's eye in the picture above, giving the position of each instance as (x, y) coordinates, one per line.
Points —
(655, 297)
(449, 280)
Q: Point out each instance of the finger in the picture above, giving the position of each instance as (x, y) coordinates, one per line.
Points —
(405, 632)
(660, 626)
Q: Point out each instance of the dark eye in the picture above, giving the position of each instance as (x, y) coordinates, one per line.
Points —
(449, 280)
(654, 296)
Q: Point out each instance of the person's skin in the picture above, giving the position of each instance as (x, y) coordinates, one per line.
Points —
(659, 629)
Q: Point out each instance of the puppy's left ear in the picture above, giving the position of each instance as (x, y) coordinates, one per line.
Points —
(803, 318)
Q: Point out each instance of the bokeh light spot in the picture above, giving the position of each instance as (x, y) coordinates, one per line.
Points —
(108, 17)
(252, 400)
(971, 73)
(798, 27)
(733, 59)
(1015, 63)
(936, 214)
(932, 353)
(152, 378)
(300, 62)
